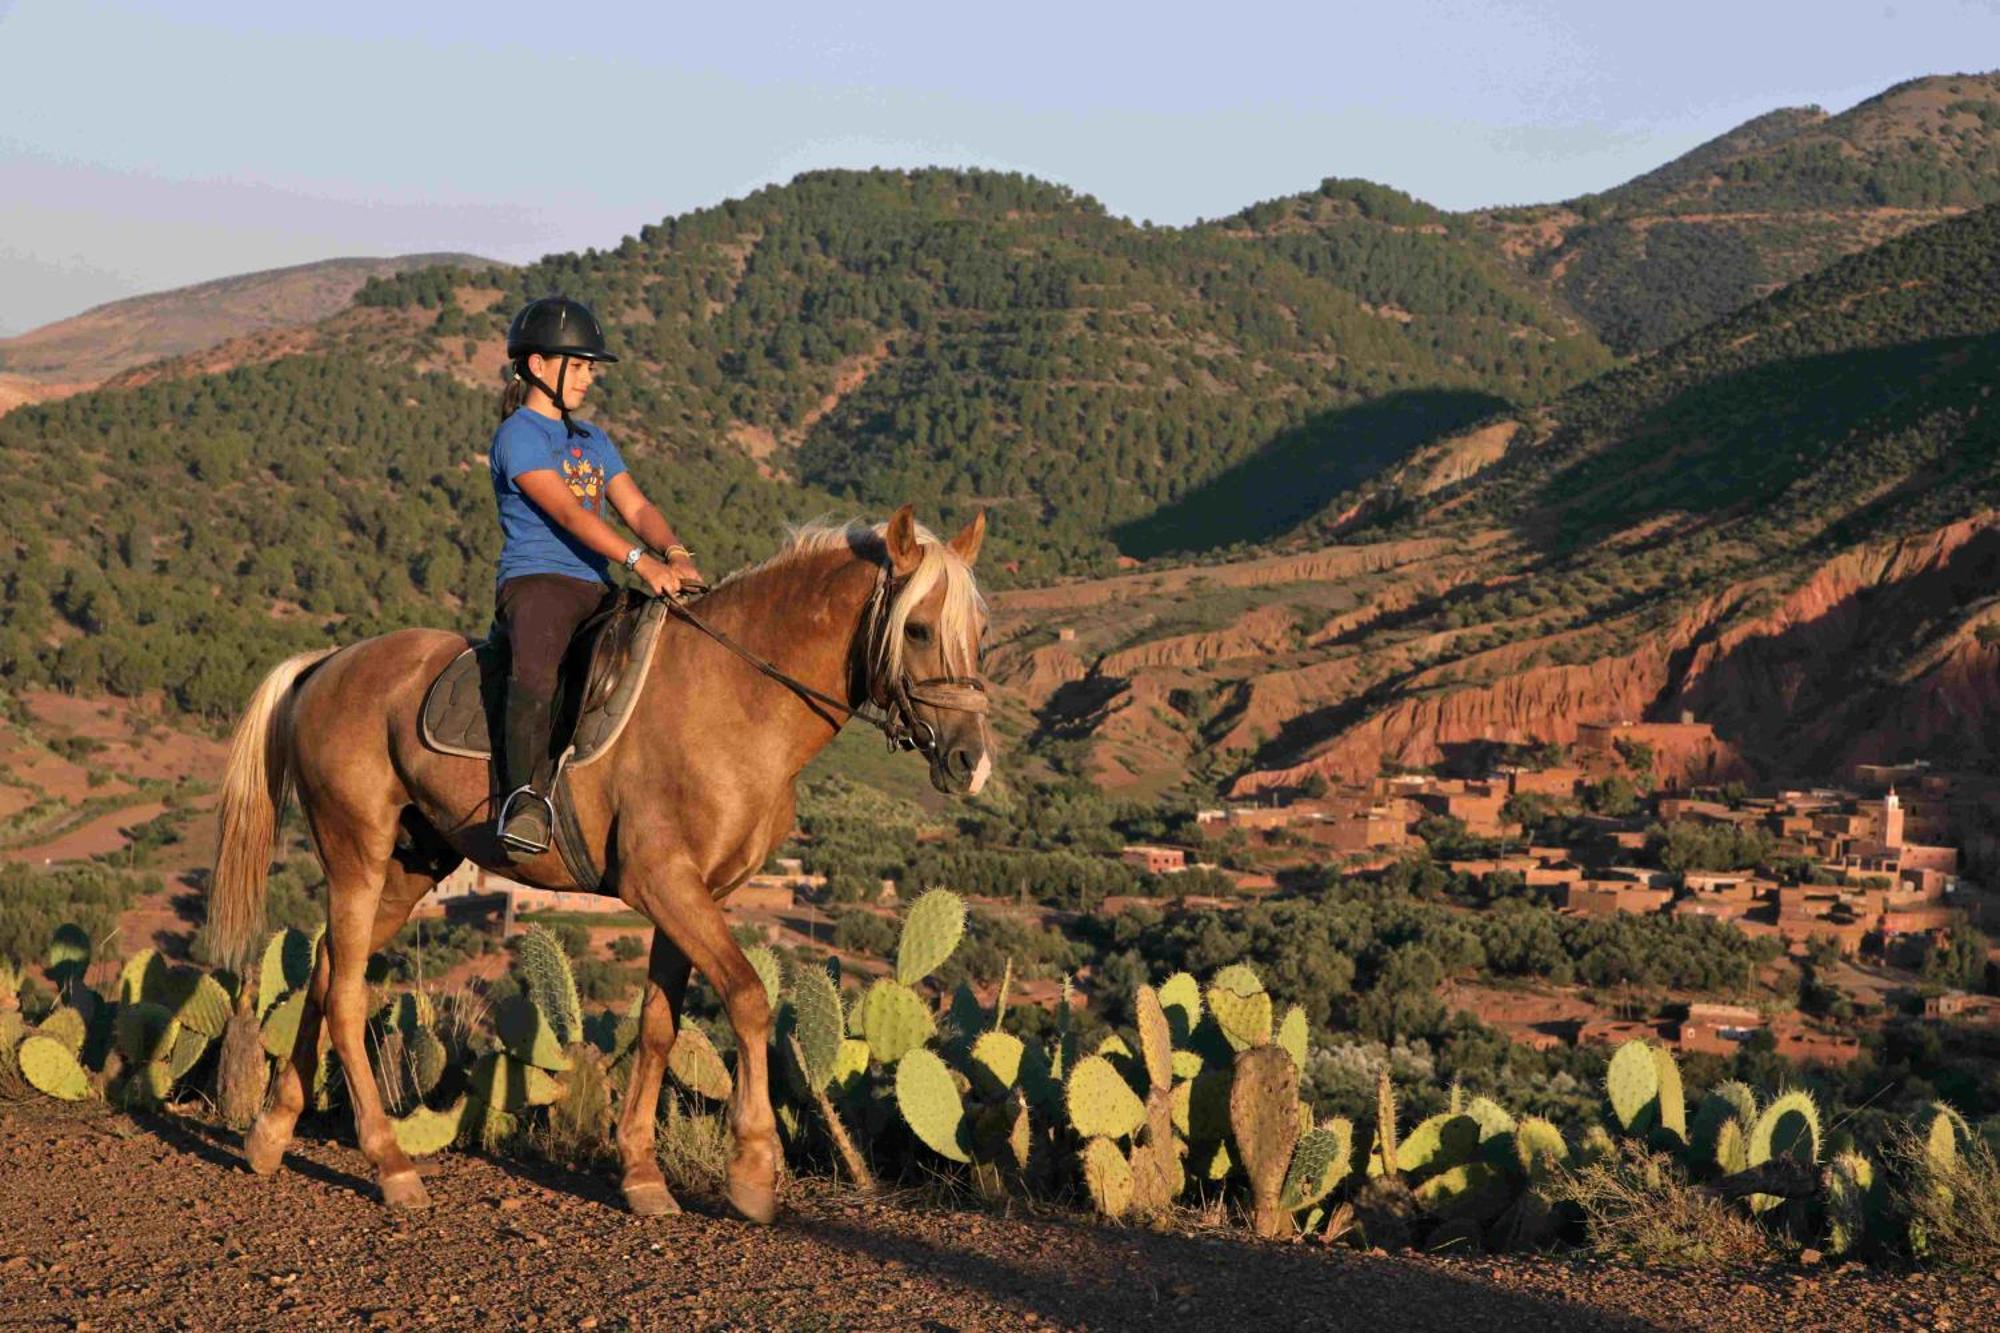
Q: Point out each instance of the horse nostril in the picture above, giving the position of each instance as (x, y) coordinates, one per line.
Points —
(959, 761)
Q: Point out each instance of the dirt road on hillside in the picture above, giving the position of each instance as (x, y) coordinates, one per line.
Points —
(112, 1222)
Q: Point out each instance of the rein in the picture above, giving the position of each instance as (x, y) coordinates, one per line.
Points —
(894, 712)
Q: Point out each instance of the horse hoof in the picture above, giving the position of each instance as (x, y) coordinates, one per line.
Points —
(404, 1191)
(650, 1199)
(264, 1152)
(757, 1203)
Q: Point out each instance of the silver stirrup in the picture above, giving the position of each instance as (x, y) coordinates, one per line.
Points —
(514, 841)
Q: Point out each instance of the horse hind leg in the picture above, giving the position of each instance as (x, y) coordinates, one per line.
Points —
(402, 887)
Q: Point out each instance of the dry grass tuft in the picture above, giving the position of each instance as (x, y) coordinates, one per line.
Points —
(694, 1145)
(1641, 1208)
(1953, 1208)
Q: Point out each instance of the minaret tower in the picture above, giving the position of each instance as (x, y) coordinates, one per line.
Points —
(1892, 820)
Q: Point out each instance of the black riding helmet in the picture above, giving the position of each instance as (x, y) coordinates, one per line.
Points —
(555, 326)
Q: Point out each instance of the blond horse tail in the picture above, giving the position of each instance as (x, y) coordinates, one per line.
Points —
(256, 784)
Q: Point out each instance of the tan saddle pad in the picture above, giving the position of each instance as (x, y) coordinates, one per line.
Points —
(464, 705)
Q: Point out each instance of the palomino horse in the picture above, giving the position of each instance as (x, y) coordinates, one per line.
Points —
(695, 794)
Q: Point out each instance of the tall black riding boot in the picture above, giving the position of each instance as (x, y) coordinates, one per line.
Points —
(525, 774)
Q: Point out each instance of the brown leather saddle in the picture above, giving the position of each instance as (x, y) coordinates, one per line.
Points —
(602, 675)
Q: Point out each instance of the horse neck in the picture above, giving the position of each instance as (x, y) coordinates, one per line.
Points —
(803, 616)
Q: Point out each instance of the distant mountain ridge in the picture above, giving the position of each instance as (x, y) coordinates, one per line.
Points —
(90, 348)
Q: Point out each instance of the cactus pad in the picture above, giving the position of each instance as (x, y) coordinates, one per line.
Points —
(281, 1024)
(528, 1032)
(768, 969)
(1180, 997)
(551, 985)
(929, 1101)
(145, 1032)
(1264, 1124)
(287, 966)
(817, 1019)
(1319, 1163)
(894, 1019)
(697, 1066)
(1475, 1192)
(1108, 1177)
(1671, 1100)
(850, 1063)
(1439, 1143)
(1156, 1038)
(995, 1063)
(1539, 1150)
(1719, 1105)
(67, 1026)
(1291, 1036)
(1240, 1007)
(1848, 1184)
(1789, 1127)
(424, 1131)
(188, 1048)
(1494, 1119)
(1632, 1081)
(1101, 1103)
(933, 928)
(195, 999)
(51, 1068)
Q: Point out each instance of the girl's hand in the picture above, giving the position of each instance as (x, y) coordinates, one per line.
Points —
(683, 567)
(661, 579)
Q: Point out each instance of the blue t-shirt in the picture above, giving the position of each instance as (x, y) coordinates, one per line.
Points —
(531, 543)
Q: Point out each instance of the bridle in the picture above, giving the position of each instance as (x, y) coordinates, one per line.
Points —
(890, 705)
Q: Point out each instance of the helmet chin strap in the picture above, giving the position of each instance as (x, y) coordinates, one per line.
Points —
(555, 395)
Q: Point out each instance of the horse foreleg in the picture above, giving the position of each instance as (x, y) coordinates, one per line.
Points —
(264, 1146)
(645, 1187)
(680, 906)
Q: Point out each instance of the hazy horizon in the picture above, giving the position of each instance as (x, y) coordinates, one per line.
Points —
(225, 138)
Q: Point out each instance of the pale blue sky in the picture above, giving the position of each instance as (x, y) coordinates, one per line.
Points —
(146, 146)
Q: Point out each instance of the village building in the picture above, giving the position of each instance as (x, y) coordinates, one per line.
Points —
(1154, 860)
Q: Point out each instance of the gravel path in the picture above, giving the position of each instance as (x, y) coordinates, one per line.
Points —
(108, 1221)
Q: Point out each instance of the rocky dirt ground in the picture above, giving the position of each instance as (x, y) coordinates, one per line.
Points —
(109, 1221)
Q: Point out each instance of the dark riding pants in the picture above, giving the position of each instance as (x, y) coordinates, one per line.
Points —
(539, 613)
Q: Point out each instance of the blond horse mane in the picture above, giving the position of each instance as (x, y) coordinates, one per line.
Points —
(961, 621)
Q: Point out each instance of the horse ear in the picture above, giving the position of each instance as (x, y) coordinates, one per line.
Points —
(901, 538)
(966, 543)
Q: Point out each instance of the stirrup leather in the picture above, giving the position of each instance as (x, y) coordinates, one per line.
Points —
(515, 841)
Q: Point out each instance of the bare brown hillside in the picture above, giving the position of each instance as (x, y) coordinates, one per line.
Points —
(78, 353)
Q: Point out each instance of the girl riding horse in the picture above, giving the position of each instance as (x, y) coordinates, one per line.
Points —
(551, 477)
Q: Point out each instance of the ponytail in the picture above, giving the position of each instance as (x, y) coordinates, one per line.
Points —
(514, 374)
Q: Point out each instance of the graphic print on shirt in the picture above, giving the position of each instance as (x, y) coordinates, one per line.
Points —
(585, 479)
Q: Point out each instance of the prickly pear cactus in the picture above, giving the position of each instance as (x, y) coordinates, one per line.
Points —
(817, 1020)
(1492, 1118)
(51, 1068)
(1240, 1007)
(1387, 1152)
(1539, 1150)
(1265, 1126)
(1291, 1035)
(281, 1024)
(768, 969)
(529, 1033)
(145, 1032)
(1670, 1100)
(1475, 1191)
(1789, 1127)
(424, 1131)
(69, 956)
(696, 1065)
(1632, 1082)
(894, 1020)
(1108, 1177)
(933, 928)
(67, 1026)
(930, 1104)
(1848, 1184)
(1719, 1105)
(287, 966)
(241, 1072)
(1101, 1103)
(994, 1063)
(1319, 1163)
(1180, 998)
(1156, 1038)
(1438, 1143)
(551, 986)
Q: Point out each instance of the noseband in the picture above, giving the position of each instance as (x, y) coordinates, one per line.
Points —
(891, 703)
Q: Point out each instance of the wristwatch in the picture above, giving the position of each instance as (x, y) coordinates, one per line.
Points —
(634, 556)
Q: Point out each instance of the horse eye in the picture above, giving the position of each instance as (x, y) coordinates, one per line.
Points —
(918, 633)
